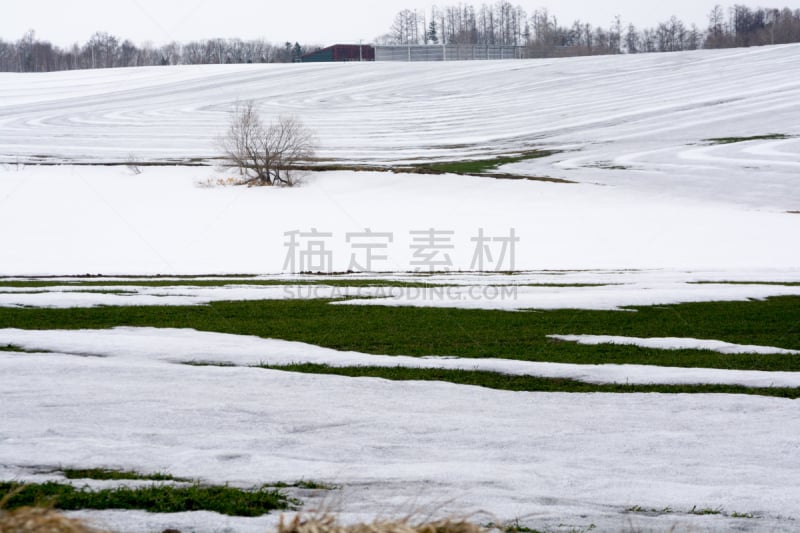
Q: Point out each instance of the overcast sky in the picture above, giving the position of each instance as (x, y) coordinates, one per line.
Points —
(321, 22)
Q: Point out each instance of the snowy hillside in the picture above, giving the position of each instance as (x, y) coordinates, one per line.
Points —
(639, 121)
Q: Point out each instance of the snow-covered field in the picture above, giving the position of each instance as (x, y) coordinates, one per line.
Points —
(550, 459)
(96, 220)
(657, 208)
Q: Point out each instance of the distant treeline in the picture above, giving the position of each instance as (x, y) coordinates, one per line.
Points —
(502, 23)
(103, 50)
(541, 34)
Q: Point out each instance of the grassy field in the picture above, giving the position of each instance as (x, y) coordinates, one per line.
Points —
(521, 335)
(465, 333)
(469, 333)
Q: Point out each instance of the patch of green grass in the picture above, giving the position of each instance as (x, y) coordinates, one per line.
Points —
(494, 380)
(305, 484)
(511, 527)
(108, 474)
(24, 292)
(474, 167)
(155, 499)
(705, 511)
(608, 165)
(694, 510)
(772, 283)
(481, 166)
(214, 283)
(469, 332)
(219, 364)
(559, 285)
(640, 509)
(731, 140)
(18, 349)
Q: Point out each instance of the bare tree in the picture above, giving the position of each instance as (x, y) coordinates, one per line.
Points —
(266, 155)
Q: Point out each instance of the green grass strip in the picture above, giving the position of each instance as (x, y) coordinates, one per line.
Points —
(469, 332)
(19, 350)
(154, 499)
(107, 474)
(731, 140)
(480, 166)
(494, 380)
(339, 283)
(217, 283)
(769, 283)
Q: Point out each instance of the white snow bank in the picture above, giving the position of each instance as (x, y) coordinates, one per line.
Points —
(153, 345)
(674, 343)
(397, 447)
(597, 298)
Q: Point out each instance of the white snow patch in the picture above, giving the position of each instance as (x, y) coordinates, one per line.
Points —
(674, 343)
(608, 297)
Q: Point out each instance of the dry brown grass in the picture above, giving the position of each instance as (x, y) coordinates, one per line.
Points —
(44, 520)
(47, 520)
(327, 524)
(40, 520)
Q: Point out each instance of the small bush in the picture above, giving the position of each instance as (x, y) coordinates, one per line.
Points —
(266, 155)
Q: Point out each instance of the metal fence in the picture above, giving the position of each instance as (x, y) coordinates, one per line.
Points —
(450, 52)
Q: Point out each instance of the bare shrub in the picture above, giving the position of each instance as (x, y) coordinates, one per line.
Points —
(266, 155)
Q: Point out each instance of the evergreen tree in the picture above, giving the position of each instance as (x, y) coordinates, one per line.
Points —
(297, 52)
(432, 35)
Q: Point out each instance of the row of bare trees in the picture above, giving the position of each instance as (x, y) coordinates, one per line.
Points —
(541, 33)
(103, 50)
(501, 24)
